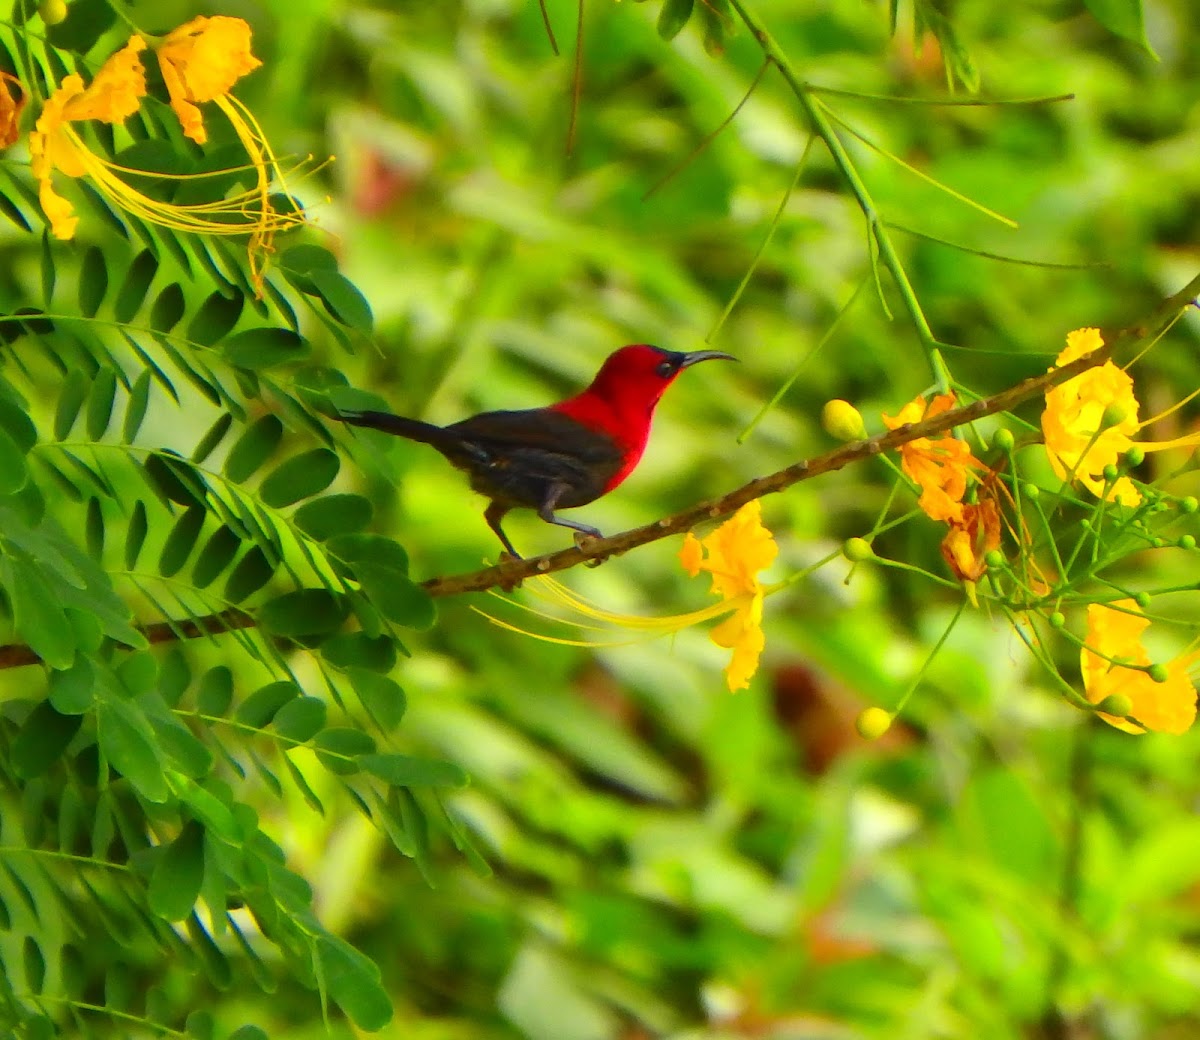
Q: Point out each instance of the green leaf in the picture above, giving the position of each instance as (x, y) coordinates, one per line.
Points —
(256, 444)
(673, 17)
(343, 299)
(352, 980)
(301, 719)
(340, 747)
(41, 740)
(306, 612)
(135, 407)
(383, 698)
(181, 541)
(48, 269)
(252, 572)
(397, 598)
(86, 22)
(135, 535)
(13, 470)
(168, 308)
(301, 476)
(200, 1026)
(38, 614)
(248, 1032)
(128, 743)
(260, 707)
(132, 293)
(175, 479)
(217, 554)
(70, 399)
(216, 692)
(178, 874)
(208, 443)
(333, 515)
(255, 349)
(369, 551)
(215, 319)
(34, 963)
(305, 259)
(16, 423)
(93, 282)
(72, 690)
(407, 771)
(1125, 18)
(94, 530)
(358, 650)
(100, 403)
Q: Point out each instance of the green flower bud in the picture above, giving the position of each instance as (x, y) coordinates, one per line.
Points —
(1142, 599)
(1117, 704)
(1135, 456)
(1031, 492)
(1158, 673)
(1003, 440)
(1188, 505)
(1115, 413)
(994, 558)
(1187, 541)
(856, 550)
(1057, 620)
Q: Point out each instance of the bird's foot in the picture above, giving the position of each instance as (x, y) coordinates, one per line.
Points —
(583, 540)
(507, 559)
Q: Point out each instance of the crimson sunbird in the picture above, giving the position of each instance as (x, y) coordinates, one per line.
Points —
(562, 456)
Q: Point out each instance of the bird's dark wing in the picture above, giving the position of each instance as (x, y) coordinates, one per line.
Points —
(529, 451)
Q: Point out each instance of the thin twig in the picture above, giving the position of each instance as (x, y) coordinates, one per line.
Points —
(508, 574)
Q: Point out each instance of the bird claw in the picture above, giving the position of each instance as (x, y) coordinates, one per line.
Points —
(508, 584)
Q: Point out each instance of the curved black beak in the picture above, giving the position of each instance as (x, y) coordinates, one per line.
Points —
(704, 355)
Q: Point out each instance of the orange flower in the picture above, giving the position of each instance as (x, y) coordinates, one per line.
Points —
(1089, 421)
(200, 62)
(971, 538)
(10, 110)
(1166, 707)
(940, 467)
(113, 96)
(736, 552)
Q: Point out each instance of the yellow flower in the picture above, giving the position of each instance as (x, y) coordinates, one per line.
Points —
(736, 552)
(1089, 422)
(10, 110)
(940, 467)
(113, 96)
(1114, 632)
(200, 62)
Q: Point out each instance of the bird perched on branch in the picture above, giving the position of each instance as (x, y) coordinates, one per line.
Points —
(562, 456)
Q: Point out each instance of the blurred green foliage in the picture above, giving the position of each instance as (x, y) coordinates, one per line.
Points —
(637, 853)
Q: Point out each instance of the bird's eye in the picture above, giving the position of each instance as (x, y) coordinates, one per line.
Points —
(665, 369)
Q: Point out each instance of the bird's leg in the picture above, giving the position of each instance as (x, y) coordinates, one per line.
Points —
(546, 512)
(493, 515)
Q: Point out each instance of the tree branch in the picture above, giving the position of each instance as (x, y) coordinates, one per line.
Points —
(507, 574)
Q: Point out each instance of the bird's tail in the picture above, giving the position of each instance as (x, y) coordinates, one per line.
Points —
(401, 426)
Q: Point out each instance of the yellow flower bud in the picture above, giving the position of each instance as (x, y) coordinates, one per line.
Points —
(53, 12)
(873, 723)
(843, 421)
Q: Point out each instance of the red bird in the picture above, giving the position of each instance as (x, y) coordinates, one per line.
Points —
(562, 456)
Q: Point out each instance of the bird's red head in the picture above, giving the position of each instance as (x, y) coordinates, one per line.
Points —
(620, 400)
(639, 374)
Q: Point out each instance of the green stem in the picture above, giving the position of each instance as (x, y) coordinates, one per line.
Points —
(824, 130)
